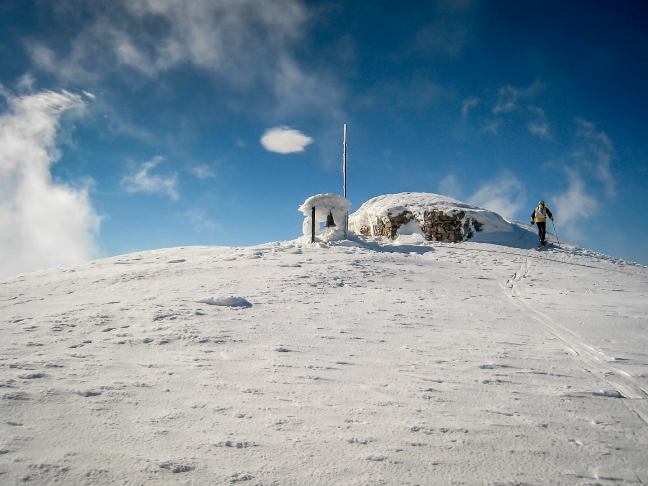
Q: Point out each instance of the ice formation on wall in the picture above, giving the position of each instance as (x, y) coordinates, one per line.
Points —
(434, 217)
(327, 207)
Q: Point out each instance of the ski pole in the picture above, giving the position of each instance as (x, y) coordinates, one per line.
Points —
(555, 231)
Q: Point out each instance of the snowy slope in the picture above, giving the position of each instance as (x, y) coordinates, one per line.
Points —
(351, 363)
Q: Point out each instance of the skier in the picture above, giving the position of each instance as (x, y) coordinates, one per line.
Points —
(539, 217)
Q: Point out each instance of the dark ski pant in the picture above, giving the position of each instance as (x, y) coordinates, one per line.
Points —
(542, 230)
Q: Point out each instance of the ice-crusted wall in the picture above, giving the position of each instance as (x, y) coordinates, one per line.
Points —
(434, 225)
(437, 218)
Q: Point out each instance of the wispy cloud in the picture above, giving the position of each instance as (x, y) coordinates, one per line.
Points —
(245, 45)
(200, 221)
(450, 186)
(26, 84)
(597, 151)
(491, 126)
(509, 97)
(143, 181)
(297, 90)
(467, 105)
(574, 205)
(202, 171)
(285, 140)
(538, 125)
(150, 37)
(43, 222)
(505, 195)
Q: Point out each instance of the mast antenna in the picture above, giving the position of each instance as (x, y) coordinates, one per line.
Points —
(344, 160)
(344, 175)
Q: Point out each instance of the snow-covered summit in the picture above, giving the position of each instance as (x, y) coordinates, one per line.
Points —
(433, 216)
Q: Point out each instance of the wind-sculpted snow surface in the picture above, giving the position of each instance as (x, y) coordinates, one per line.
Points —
(357, 363)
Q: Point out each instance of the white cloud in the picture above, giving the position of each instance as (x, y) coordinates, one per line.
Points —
(505, 195)
(598, 152)
(285, 140)
(43, 222)
(143, 181)
(449, 186)
(574, 205)
(202, 171)
(467, 105)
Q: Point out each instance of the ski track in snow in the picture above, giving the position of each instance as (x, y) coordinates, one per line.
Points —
(344, 364)
(593, 359)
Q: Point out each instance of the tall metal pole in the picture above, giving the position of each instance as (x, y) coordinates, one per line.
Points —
(344, 175)
(344, 157)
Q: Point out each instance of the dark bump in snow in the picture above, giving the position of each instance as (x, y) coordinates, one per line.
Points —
(376, 458)
(32, 376)
(240, 477)
(227, 302)
(235, 444)
(181, 260)
(175, 467)
(281, 349)
(18, 396)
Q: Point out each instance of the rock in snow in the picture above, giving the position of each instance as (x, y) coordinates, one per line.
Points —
(463, 363)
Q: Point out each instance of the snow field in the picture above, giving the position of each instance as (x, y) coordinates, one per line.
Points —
(350, 364)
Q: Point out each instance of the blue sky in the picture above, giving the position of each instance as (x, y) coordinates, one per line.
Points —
(141, 121)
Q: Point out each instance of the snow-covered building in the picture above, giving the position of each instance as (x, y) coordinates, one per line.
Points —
(435, 217)
(330, 215)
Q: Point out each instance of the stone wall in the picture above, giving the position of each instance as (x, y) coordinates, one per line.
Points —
(435, 225)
